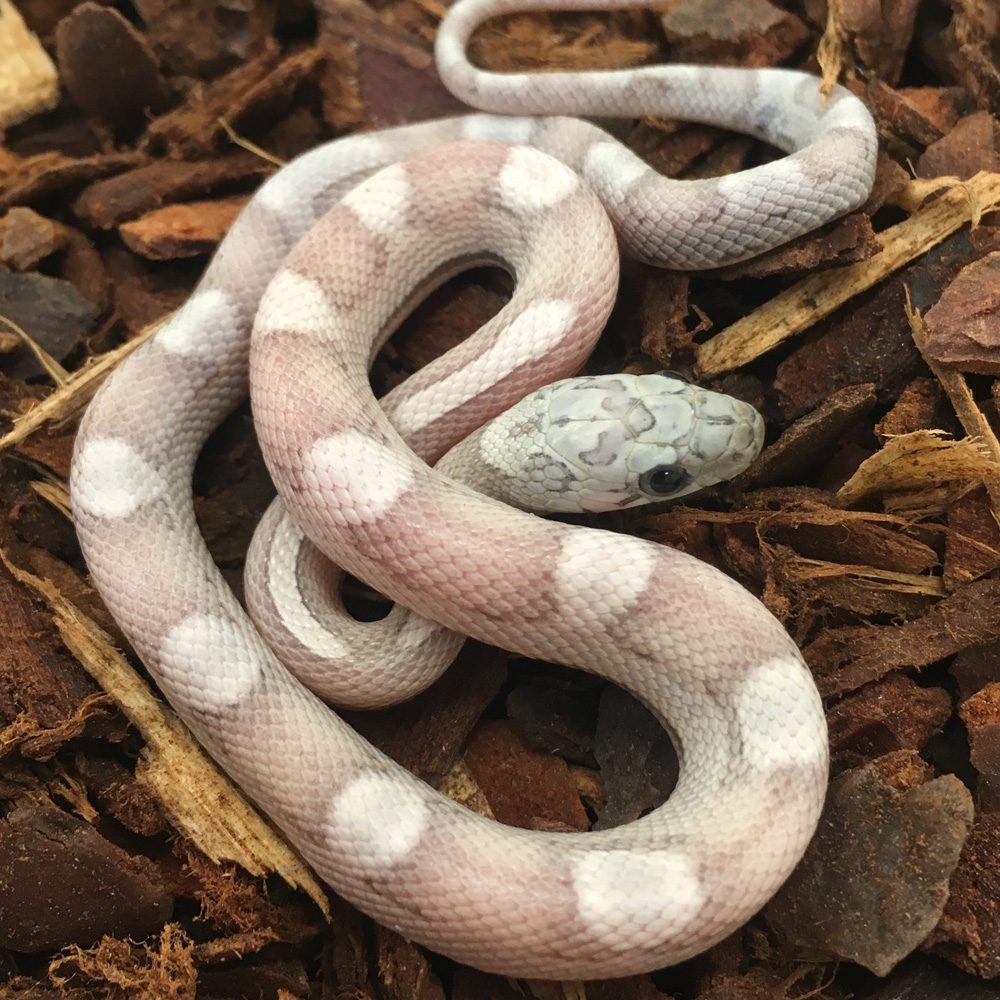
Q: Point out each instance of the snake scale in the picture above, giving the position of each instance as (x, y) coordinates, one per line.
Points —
(321, 265)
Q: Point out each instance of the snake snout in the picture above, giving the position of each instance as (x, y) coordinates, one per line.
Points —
(728, 435)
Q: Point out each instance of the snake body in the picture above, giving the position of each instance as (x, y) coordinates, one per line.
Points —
(321, 265)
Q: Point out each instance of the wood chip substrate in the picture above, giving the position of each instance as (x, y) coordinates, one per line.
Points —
(131, 867)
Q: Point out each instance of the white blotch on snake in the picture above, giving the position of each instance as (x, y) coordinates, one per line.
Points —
(382, 207)
(286, 192)
(362, 476)
(786, 174)
(381, 817)
(235, 666)
(497, 128)
(600, 575)
(530, 181)
(534, 332)
(621, 889)
(294, 302)
(609, 166)
(779, 713)
(416, 630)
(112, 479)
(192, 330)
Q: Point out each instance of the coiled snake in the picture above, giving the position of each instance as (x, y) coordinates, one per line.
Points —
(328, 256)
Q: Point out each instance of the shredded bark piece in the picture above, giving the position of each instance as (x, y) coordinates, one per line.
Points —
(62, 882)
(973, 539)
(845, 658)
(107, 203)
(426, 734)
(981, 715)
(638, 763)
(974, 30)
(889, 715)
(754, 33)
(874, 882)
(163, 968)
(187, 230)
(916, 409)
(969, 147)
(963, 326)
(28, 80)
(27, 181)
(796, 449)
(89, 38)
(878, 34)
(51, 312)
(969, 931)
(201, 37)
(917, 463)
(498, 759)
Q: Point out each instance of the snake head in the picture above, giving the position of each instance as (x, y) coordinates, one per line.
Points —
(607, 442)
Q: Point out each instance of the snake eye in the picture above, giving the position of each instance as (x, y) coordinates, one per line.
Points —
(663, 480)
(668, 373)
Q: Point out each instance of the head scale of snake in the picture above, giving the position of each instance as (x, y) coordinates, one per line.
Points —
(607, 442)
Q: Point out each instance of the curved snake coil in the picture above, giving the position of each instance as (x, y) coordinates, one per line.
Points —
(328, 255)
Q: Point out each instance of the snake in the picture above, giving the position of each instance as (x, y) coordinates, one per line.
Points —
(433, 496)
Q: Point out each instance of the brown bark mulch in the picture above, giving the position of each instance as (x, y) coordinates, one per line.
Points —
(133, 134)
